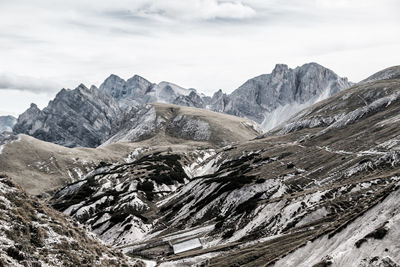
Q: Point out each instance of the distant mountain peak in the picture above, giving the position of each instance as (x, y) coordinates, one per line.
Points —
(33, 105)
(280, 67)
(258, 99)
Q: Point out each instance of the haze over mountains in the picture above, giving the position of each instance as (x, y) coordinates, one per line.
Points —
(85, 117)
(7, 123)
(319, 189)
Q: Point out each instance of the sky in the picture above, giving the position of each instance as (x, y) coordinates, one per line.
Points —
(46, 45)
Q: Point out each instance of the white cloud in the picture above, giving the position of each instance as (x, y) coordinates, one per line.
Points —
(201, 9)
(26, 83)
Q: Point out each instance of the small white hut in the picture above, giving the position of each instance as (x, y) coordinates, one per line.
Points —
(186, 245)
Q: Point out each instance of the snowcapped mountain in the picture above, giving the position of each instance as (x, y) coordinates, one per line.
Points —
(319, 190)
(7, 123)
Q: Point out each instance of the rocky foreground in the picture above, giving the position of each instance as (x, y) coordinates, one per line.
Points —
(32, 234)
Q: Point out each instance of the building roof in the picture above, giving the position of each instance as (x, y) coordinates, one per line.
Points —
(187, 245)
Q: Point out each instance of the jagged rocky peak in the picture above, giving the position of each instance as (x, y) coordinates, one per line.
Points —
(315, 79)
(167, 92)
(29, 120)
(346, 107)
(114, 86)
(139, 82)
(7, 123)
(218, 101)
(386, 74)
(132, 89)
(79, 117)
(191, 100)
(258, 98)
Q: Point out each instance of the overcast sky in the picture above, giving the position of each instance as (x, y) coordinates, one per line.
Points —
(204, 44)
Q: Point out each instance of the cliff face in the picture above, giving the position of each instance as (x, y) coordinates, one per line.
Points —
(257, 98)
(79, 117)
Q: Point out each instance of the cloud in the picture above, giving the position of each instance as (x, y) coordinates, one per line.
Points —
(176, 10)
(26, 83)
(201, 9)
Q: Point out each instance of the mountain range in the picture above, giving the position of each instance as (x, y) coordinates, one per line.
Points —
(85, 117)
